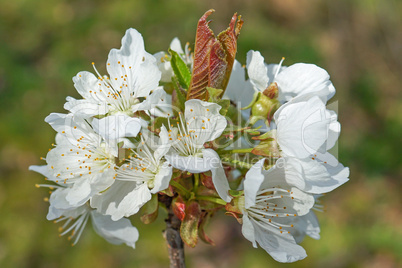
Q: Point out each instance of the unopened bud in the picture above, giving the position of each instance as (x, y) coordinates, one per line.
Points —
(264, 108)
(271, 91)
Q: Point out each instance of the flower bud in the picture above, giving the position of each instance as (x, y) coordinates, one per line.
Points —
(265, 106)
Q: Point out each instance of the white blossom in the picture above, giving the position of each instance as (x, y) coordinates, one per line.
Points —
(202, 123)
(295, 80)
(75, 218)
(145, 173)
(133, 75)
(270, 207)
(81, 158)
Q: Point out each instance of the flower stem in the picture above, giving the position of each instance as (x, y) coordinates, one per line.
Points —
(236, 163)
(180, 187)
(238, 151)
(196, 181)
(211, 199)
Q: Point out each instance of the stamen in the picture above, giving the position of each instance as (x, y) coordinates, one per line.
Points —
(279, 67)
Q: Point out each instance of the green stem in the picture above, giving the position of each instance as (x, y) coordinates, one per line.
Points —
(234, 163)
(196, 181)
(212, 199)
(238, 151)
(180, 187)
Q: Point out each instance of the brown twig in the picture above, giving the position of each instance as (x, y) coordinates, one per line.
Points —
(173, 238)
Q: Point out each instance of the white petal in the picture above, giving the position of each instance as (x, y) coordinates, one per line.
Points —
(252, 183)
(86, 108)
(247, 229)
(57, 121)
(272, 69)
(101, 181)
(302, 127)
(79, 193)
(300, 79)
(58, 198)
(117, 126)
(85, 82)
(218, 174)
(162, 178)
(306, 225)
(43, 169)
(133, 61)
(334, 129)
(205, 119)
(115, 232)
(148, 77)
(312, 176)
(164, 66)
(176, 46)
(192, 164)
(239, 90)
(54, 213)
(129, 55)
(154, 102)
(163, 145)
(123, 199)
(302, 202)
(282, 247)
(257, 71)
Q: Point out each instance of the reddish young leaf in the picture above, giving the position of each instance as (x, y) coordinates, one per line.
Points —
(179, 207)
(213, 57)
(189, 225)
(201, 228)
(228, 40)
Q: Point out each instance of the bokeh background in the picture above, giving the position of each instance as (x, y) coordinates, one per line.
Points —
(44, 43)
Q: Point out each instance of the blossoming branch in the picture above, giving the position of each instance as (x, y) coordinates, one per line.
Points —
(192, 134)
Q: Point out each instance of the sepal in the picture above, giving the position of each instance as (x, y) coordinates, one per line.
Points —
(150, 210)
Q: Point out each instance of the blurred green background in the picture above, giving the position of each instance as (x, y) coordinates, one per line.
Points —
(44, 43)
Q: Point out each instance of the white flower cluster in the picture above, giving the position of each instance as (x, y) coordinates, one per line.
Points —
(278, 201)
(108, 161)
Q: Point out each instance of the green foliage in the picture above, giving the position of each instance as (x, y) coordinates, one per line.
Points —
(179, 96)
(180, 69)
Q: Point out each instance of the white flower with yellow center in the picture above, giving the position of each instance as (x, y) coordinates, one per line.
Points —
(76, 217)
(295, 80)
(201, 123)
(145, 173)
(82, 158)
(133, 75)
(269, 211)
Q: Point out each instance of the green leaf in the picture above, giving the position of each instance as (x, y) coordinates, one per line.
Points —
(178, 96)
(157, 124)
(180, 69)
(214, 94)
(201, 233)
(150, 210)
(225, 106)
